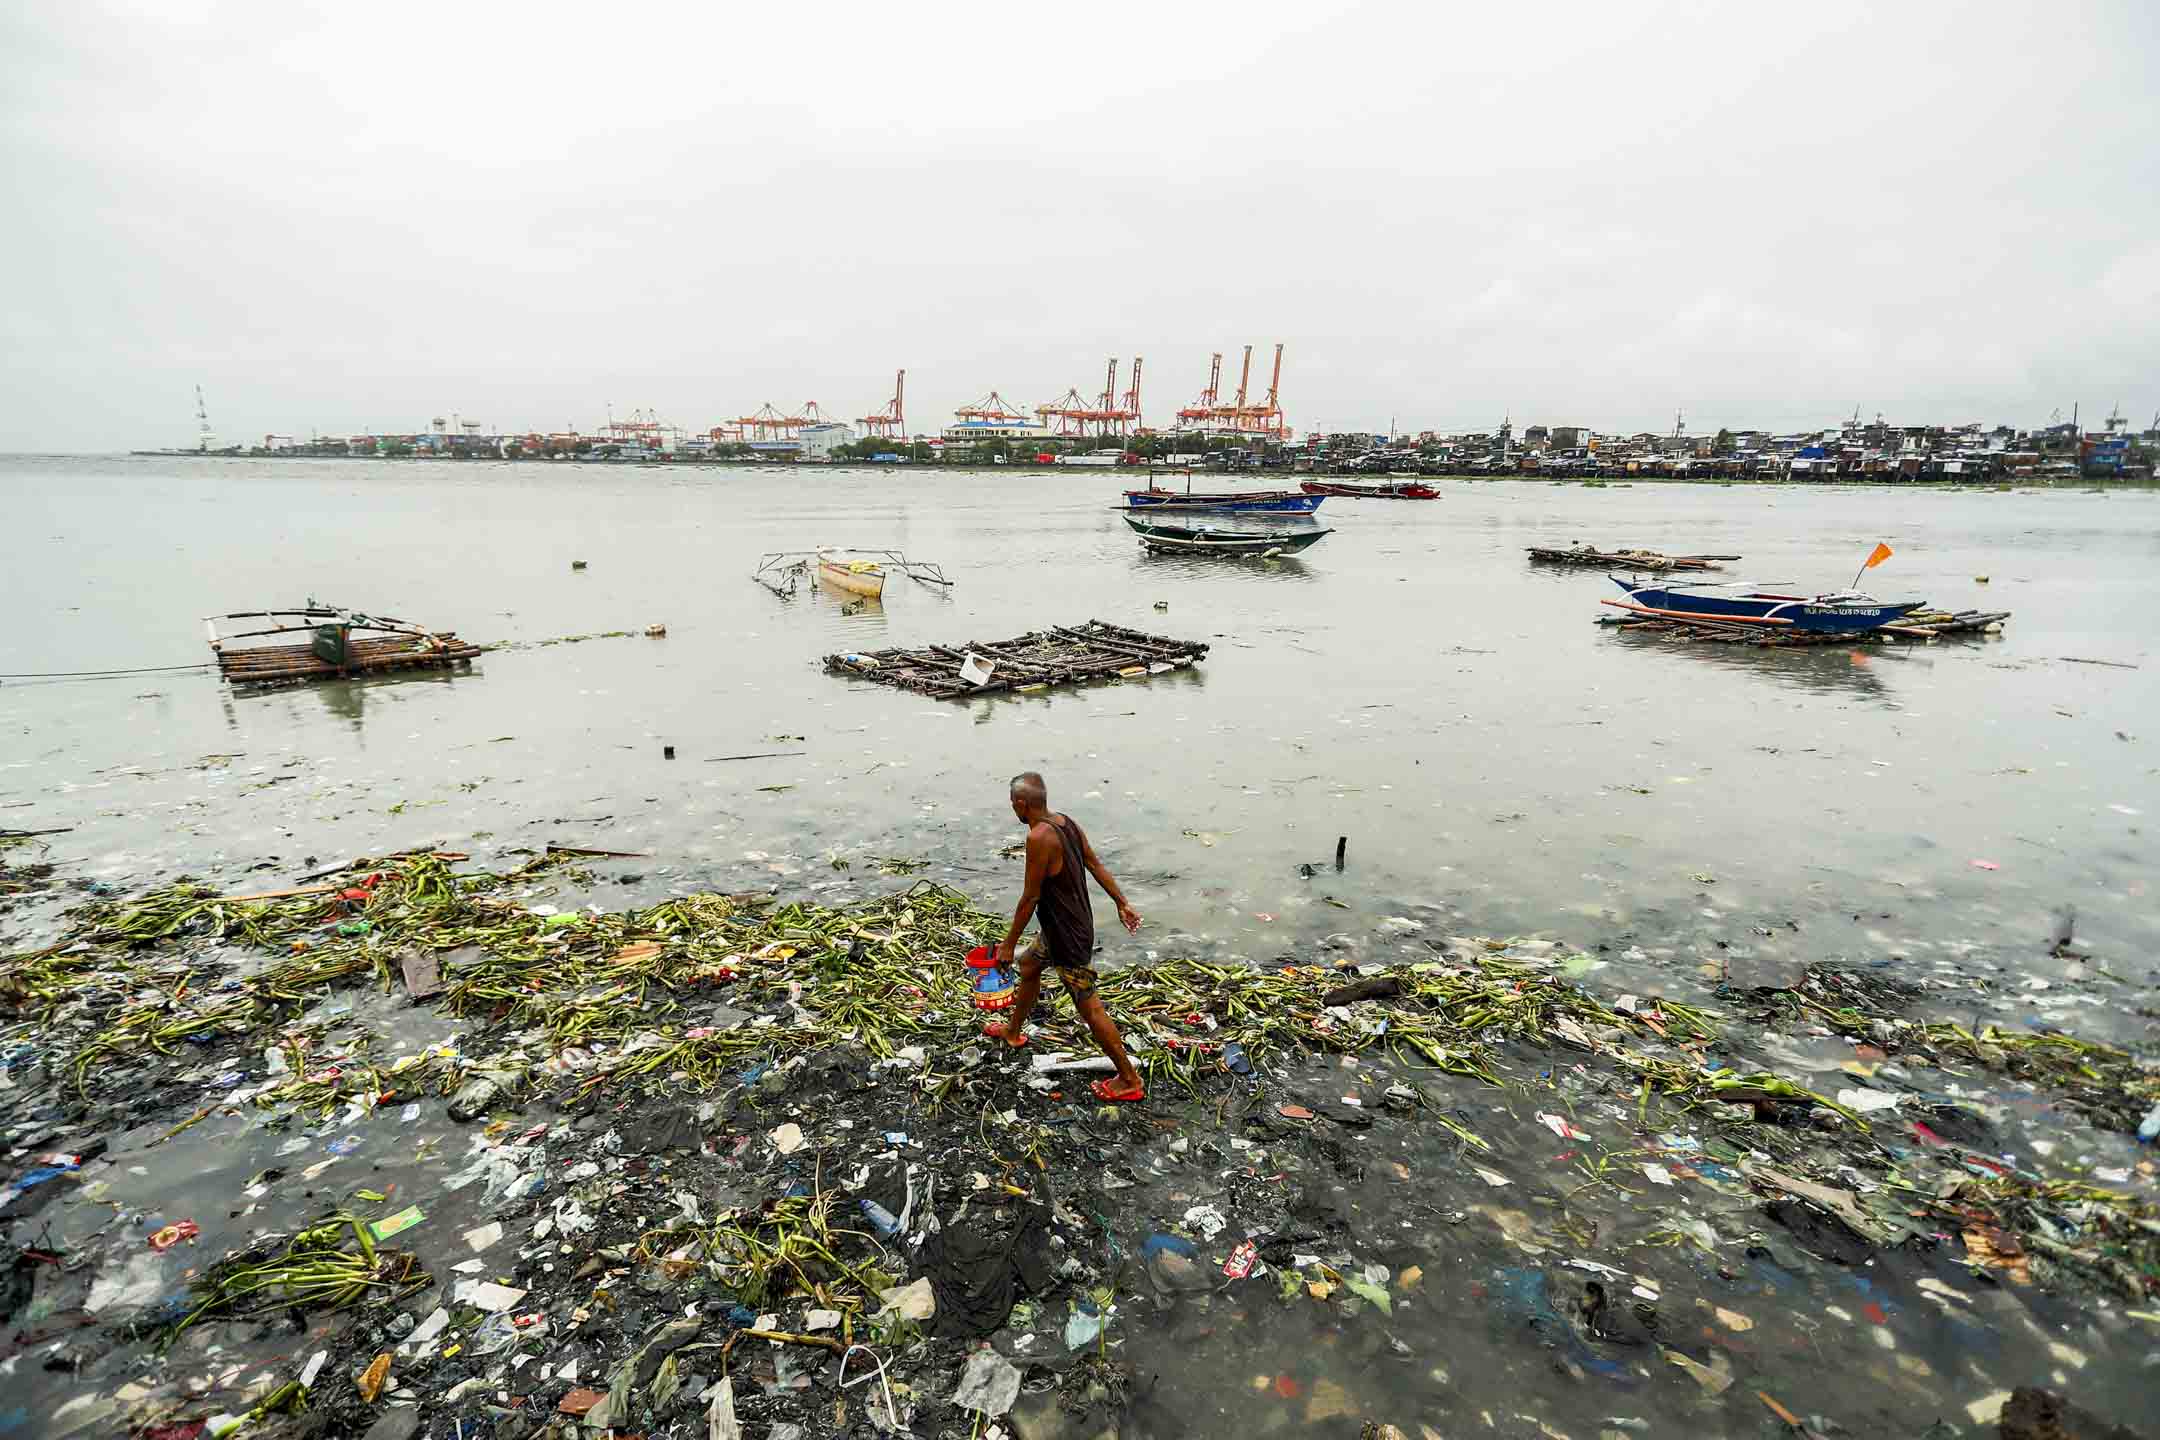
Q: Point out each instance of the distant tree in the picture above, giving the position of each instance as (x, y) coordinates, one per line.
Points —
(1723, 444)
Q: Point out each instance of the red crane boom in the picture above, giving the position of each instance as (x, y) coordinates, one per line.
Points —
(892, 420)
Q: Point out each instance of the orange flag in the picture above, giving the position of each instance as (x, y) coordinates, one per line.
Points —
(1882, 553)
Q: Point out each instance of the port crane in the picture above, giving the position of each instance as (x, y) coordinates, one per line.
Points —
(992, 409)
(1108, 415)
(1241, 416)
(890, 422)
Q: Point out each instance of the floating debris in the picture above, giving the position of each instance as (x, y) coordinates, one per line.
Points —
(1918, 627)
(333, 651)
(321, 1268)
(1061, 655)
(783, 1114)
(1588, 555)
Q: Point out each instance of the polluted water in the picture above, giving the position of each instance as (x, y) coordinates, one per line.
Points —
(438, 1057)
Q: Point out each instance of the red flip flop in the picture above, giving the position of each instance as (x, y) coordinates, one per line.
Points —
(995, 1030)
(1101, 1090)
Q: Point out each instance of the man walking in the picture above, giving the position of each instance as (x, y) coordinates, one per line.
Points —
(1059, 860)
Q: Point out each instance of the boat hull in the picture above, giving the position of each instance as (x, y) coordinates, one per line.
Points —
(1181, 540)
(1409, 491)
(1277, 502)
(1837, 614)
(841, 576)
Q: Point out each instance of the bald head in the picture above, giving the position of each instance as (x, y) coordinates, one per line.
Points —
(1029, 795)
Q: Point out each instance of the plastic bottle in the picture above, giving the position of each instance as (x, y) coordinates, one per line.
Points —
(2149, 1127)
(886, 1222)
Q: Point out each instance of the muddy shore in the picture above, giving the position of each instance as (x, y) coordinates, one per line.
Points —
(578, 1170)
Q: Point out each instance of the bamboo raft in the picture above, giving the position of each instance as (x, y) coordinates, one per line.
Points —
(332, 651)
(1061, 655)
(1918, 628)
(1625, 559)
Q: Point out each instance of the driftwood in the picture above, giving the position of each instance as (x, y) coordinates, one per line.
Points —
(1378, 987)
(354, 864)
(1061, 655)
(1930, 626)
(1625, 559)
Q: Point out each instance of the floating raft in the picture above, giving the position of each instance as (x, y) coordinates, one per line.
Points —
(1061, 655)
(1625, 559)
(332, 651)
(1920, 626)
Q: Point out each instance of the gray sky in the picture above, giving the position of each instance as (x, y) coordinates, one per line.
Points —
(362, 215)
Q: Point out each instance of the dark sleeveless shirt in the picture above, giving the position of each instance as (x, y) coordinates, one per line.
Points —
(1068, 921)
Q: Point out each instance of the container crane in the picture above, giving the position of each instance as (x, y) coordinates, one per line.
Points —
(1205, 407)
(891, 422)
(1240, 417)
(1108, 415)
(1069, 413)
(992, 409)
(766, 425)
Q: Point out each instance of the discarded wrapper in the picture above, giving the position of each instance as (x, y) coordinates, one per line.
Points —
(173, 1234)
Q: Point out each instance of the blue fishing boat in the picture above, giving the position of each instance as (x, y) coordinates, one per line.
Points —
(1741, 604)
(1278, 502)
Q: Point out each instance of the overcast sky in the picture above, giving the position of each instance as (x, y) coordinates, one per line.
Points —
(362, 215)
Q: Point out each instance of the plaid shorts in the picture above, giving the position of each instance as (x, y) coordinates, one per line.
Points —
(1077, 979)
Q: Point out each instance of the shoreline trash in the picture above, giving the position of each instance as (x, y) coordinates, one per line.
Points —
(637, 1059)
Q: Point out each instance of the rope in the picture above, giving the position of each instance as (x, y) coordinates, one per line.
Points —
(84, 674)
(891, 1413)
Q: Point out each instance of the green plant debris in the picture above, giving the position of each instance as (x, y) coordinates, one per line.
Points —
(690, 996)
(329, 1266)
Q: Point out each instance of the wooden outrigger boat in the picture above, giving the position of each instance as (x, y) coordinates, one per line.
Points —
(1279, 502)
(1401, 490)
(857, 577)
(1649, 560)
(858, 572)
(1840, 612)
(333, 649)
(1159, 497)
(1202, 540)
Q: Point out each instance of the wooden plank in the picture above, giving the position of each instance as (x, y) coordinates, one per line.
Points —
(1130, 648)
(422, 970)
(1057, 656)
